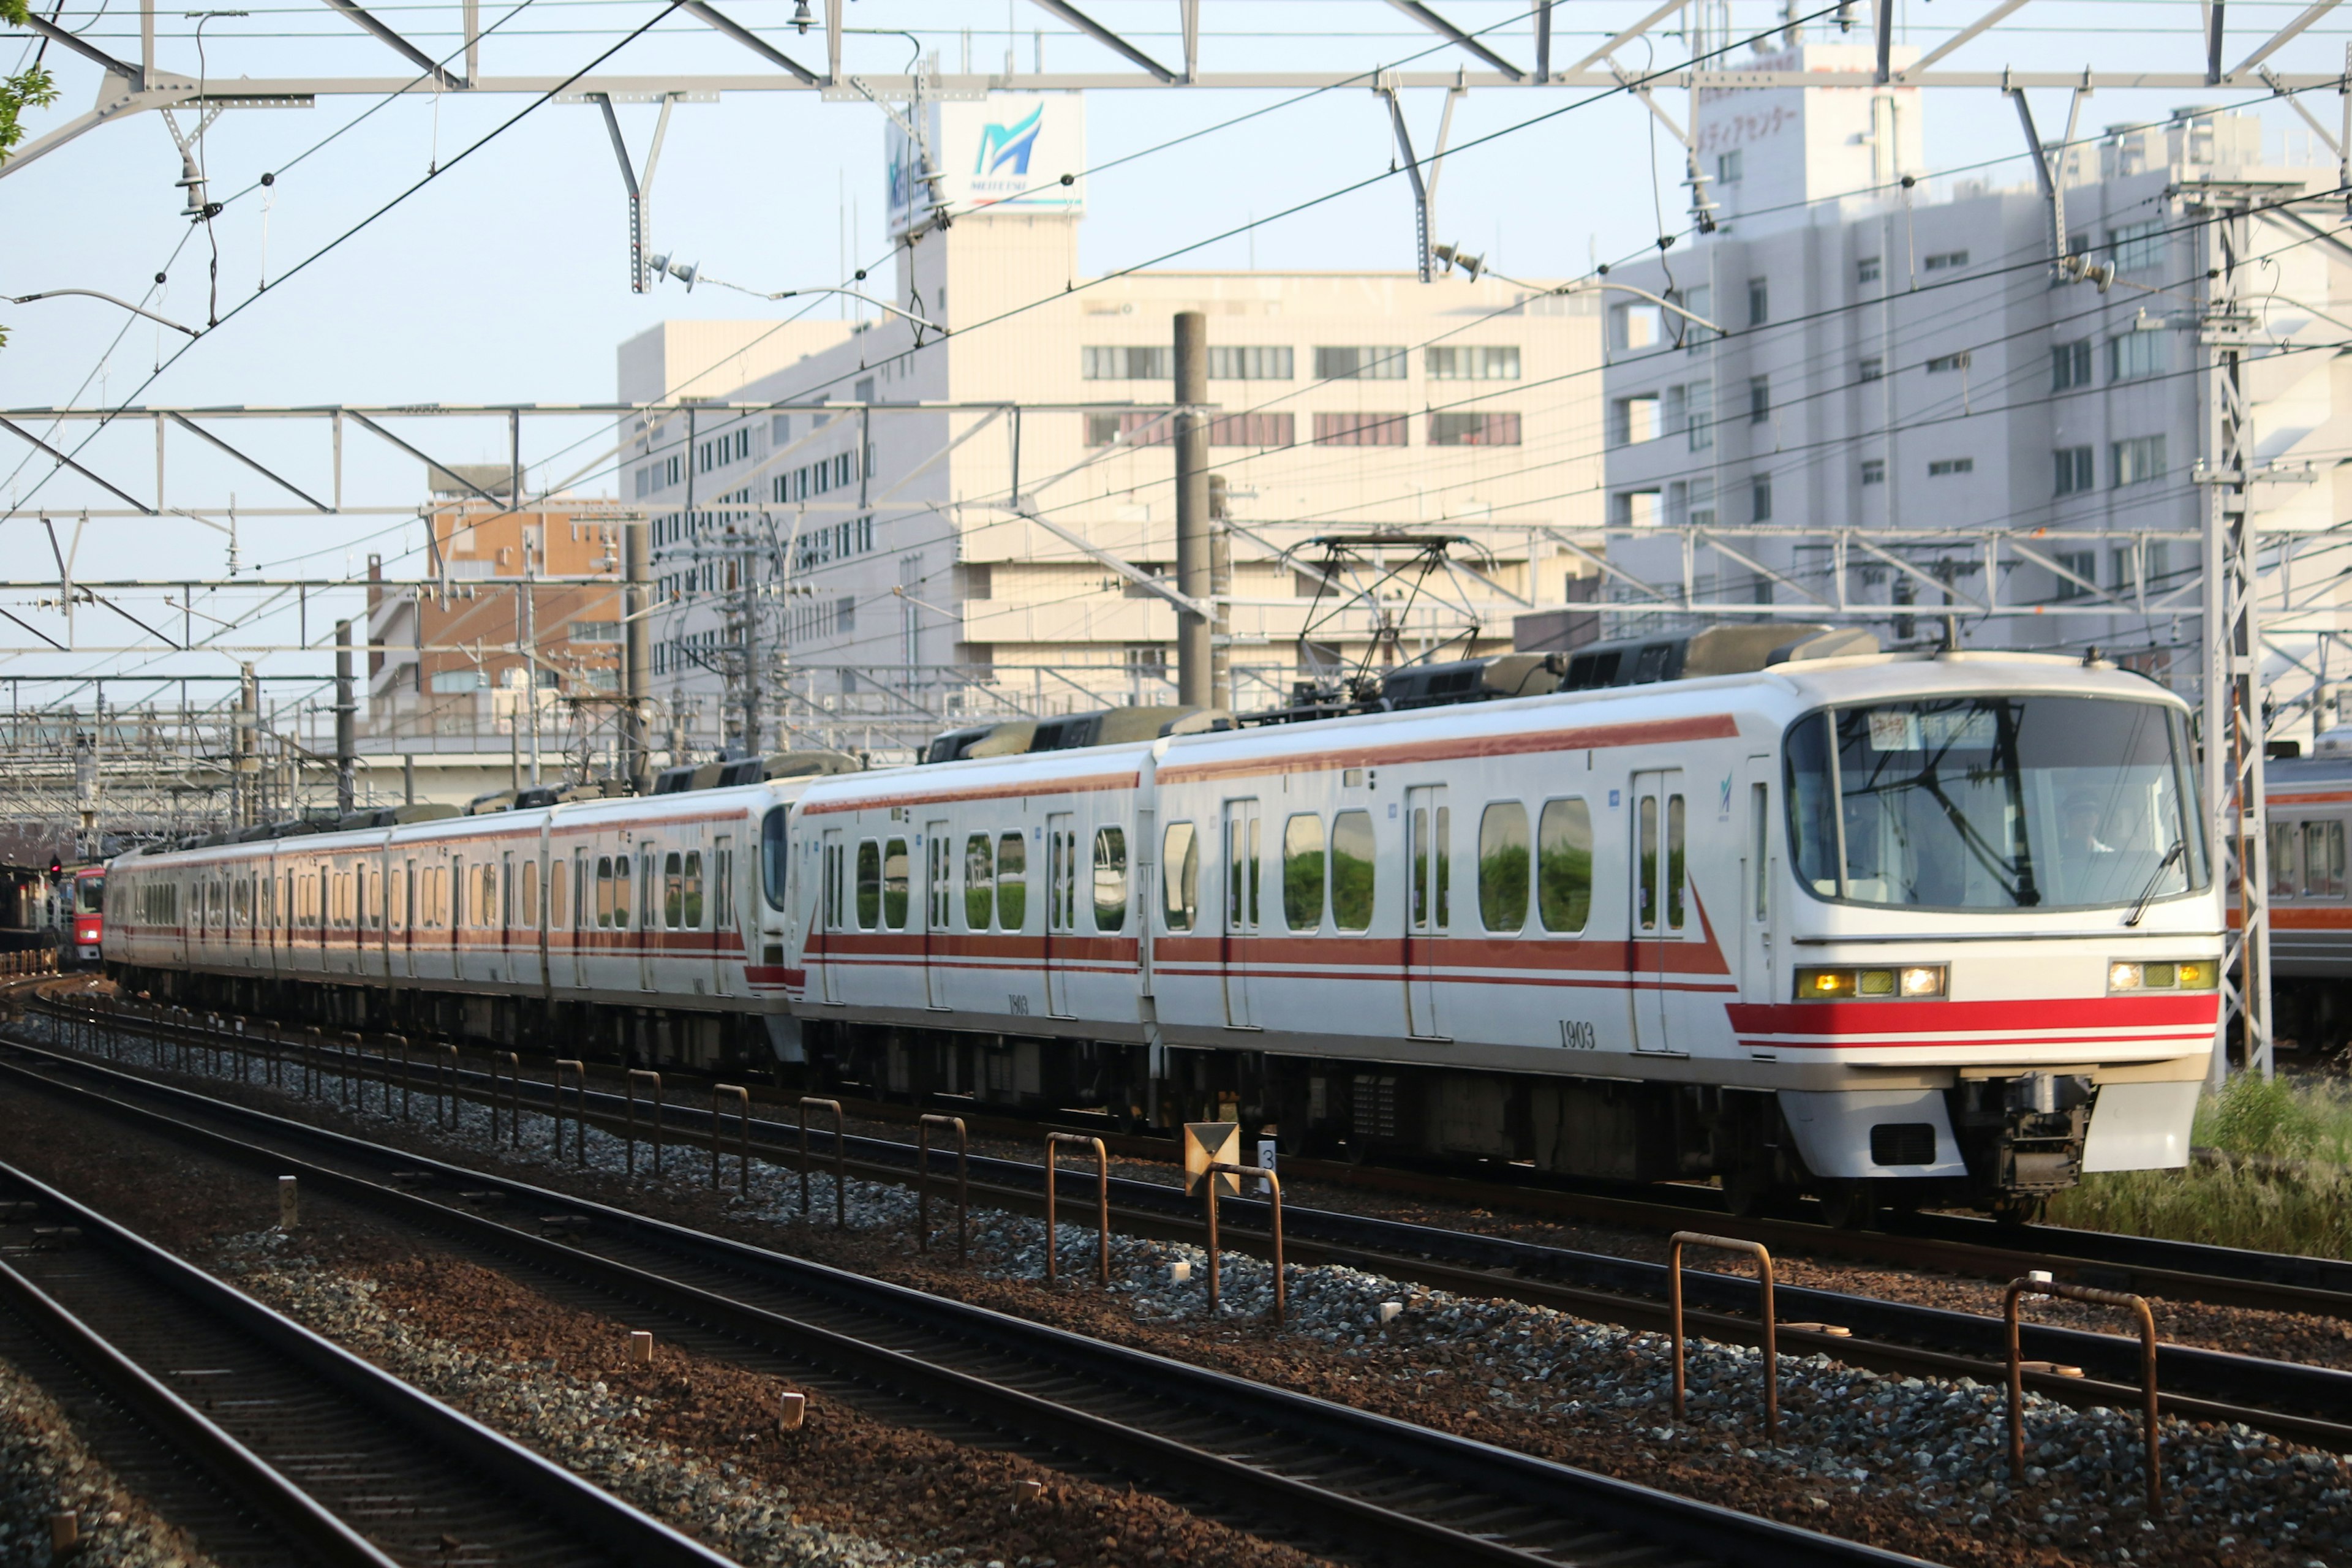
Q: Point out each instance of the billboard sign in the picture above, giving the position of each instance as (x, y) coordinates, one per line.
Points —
(1004, 153)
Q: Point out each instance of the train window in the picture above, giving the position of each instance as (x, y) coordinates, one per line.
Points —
(1675, 867)
(1012, 881)
(674, 891)
(603, 891)
(555, 892)
(1351, 870)
(530, 895)
(2323, 859)
(1503, 867)
(1110, 878)
(1179, 874)
(1564, 865)
(2284, 843)
(979, 882)
(1759, 849)
(692, 901)
(1302, 872)
(722, 880)
(869, 884)
(620, 892)
(458, 875)
(395, 893)
(893, 884)
(773, 862)
(645, 894)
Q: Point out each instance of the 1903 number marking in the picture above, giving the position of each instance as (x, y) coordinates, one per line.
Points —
(1578, 1036)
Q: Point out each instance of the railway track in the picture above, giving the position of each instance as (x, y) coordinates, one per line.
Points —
(1376, 1487)
(337, 1462)
(2303, 1403)
(1943, 1243)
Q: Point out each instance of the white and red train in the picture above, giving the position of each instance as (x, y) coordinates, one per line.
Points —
(1887, 927)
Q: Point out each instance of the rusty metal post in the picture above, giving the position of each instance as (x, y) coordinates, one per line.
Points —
(407, 1085)
(923, 1182)
(743, 1107)
(1772, 1342)
(354, 1085)
(579, 1108)
(1102, 1201)
(637, 1076)
(2097, 1297)
(445, 1070)
(840, 1160)
(1274, 1186)
(514, 1101)
(312, 1043)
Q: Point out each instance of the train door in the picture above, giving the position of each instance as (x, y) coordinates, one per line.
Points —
(828, 909)
(717, 898)
(1661, 913)
(1757, 980)
(1429, 914)
(1239, 936)
(1061, 909)
(939, 894)
(650, 914)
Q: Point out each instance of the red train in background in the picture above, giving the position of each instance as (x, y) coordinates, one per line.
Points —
(84, 896)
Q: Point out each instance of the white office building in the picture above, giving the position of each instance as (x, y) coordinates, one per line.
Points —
(976, 526)
(1911, 408)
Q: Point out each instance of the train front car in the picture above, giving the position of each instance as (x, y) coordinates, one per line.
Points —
(1993, 932)
(89, 915)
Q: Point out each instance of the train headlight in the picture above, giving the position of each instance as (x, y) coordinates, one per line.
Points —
(2193, 975)
(1870, 985)
(1924, 980)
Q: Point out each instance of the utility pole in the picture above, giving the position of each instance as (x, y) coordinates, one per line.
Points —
(531, 646)
(1221, 589)
(2234, 722)
(1194, 675)
(747, 596)
(245, 767)
(346, 714)
(636, 648)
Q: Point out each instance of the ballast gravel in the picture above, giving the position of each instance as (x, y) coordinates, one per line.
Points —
(45, 1469)
(1914, 1463)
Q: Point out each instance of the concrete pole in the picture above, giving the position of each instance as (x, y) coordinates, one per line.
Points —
(1194, 678)
(245, 764)
(346, 713)
(1221, 585)
(637, 652)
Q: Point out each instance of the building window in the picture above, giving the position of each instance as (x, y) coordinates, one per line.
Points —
(845, 615)
(1361, 429)
(1873, 470)
(2138, 246)
(1699, 301)
(2070, 365)
(1873, 368)
(2134, 356)
(1727, 168)
(1464, 364)
(1359, 365)
(1633, 508)
(2084, 563)
(1944, 261)
(1943, 363)
(1633, 420)
(1759, 492)
(1760, 399)
(2137, 461)
(1942, 467)
(595, 631)
(449, 682)
(1252, 429)
(1696, 413)
(1126, 362)
(2075, 474)
(1249, 362)
(1759, 302)
(1867, 269)
(1483, 429)
(1691, 502)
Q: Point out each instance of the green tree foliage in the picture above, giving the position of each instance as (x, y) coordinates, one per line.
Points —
(30, 88)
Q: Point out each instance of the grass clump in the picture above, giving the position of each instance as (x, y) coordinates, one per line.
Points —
(2287, 1188)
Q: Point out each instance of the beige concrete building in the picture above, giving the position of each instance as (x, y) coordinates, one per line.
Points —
(976, 523)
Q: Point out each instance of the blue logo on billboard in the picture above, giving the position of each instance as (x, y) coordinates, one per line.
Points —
(1007, 147)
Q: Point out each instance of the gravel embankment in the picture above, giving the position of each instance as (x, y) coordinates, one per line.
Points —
(45, 1469)
(1916, 1464)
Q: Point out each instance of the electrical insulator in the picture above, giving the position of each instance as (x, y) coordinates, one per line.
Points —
(192, 182)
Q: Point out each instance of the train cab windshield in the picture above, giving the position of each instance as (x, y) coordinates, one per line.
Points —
(89, 894)
(1995, 803)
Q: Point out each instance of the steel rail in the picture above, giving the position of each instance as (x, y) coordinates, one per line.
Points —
(2301, 1403)
(1327, 1469)
(517, 1481)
